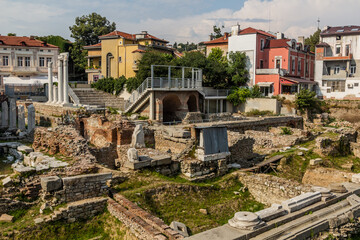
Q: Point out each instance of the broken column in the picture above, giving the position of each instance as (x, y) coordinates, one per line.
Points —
(50, 88)
(65, 78)
(12, 114)
(56, 94)
(246, 221)
(31, 118)
(138, 140)
(4, 114)
(21, 118)
(60, 80)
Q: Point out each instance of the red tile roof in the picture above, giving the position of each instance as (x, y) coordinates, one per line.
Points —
(341, 30)
(23, 41)
(278, 43)
(220, 40)
(139, 50)
(131, 36)
(98, 45)
(118, 33)
(251, 30)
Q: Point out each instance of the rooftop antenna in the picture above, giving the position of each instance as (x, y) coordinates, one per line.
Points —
(318, 23)
(269, 17)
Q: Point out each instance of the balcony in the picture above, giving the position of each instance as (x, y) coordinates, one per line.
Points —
(135, 67)
(24, 70)
(270, 71)
(338, 58)
(342, 75)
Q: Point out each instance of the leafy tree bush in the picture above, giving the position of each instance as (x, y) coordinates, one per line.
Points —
(133, 83)
(286, 131)
(110, 85)
(239, 95)
(237, 69)
(306, 100)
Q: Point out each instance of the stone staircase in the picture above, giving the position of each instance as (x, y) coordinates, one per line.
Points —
(90, 96)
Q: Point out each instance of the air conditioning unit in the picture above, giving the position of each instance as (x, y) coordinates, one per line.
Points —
(350, 85)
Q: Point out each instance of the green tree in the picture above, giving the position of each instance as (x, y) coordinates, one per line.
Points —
(63, 44)
(313, 40)
(217, 31)
(86, 31)
(11, 34)
(175, 45)
(217, 55)
(237, 69)
(239, 95)
(306, 100)
(151, 57)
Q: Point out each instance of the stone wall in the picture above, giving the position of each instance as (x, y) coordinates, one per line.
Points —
(261, 104)
(241, 149)
(7, 204)
(197, 169)
(165, 143)
(142, 224)
(269, 189)
(80, 210)
(83, 187)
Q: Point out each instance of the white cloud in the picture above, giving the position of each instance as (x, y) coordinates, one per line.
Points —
(293, 17)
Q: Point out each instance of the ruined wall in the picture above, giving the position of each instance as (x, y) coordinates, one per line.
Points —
(164, 143)
(269, 189)
(345, 110)
(83, 187)
(7, 204)
(241, 148)
(193, 168)
(81, 210)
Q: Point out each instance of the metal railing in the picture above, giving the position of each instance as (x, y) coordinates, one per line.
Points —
(162, 83)
(216, 92)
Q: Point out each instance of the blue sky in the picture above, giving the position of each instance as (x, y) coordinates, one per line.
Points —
(178, 20)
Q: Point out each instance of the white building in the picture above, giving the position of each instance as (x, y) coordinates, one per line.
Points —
(251, 41)
(337, 57)
(24, 60)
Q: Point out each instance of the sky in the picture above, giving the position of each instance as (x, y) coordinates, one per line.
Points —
(178, 20)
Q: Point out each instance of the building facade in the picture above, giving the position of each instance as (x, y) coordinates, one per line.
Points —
(118, 54)
(221, 43)
(24, 60)
(285, 67)
(337, 57)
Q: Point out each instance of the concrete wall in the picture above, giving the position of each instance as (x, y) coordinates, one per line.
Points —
(261, 104)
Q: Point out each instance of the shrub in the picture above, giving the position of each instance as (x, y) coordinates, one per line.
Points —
(110, 85)
(306, 100)
(132, 84)
(256, 112)
(240, 95)
(286, 131)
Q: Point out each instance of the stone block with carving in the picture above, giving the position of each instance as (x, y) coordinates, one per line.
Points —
(301, 201)
(132, 154)
(246, 221)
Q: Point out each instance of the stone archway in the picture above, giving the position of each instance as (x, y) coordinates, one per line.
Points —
(192, 104)
(171, 105)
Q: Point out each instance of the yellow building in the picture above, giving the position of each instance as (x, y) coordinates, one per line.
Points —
(118, 54)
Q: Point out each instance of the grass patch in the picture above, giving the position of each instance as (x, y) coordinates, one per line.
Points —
(176, 199)
(256, 112)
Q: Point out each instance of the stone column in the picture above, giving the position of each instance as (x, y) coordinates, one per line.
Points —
(4, 115)
(31, 118)
(56, 94)
(21, 118)
(66, 78)
(50, 88)
(152, 106)
(60, 80)
(12, 113)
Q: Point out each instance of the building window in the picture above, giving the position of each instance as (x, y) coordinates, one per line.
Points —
(352, 69)
(299, 65)
(356, 84)
(307, 66)
(278, 63)
(99, 62)
(337, 48)
(347, 50)
(41, 50)
(261, 64)
(324, 83)
(19, 49)
(27, 61)
(20, 61)
(336, 70)
(27, 50)
(262, 45)
(120, 59)
(5, 48)
(48, 60)
(41, 61)
(5, 61)
(49, 50)
(293, 65)
(336, 86)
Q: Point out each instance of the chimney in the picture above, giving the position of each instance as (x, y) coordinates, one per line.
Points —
(211, 37)
(326, 28)
(279, 35)
(226, 35)
(32, 37)
(301, 39)
(144, 32)
(235, 30)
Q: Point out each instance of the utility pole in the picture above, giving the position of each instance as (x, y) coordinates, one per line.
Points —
(318, 23)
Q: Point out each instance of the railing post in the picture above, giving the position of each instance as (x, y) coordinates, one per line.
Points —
(183, 74)
(176, 83)
(152, 76)
(161, 83)
(169, 73)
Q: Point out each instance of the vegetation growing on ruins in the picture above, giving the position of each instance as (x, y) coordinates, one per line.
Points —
(239, 95)
(176, 199)
(306, 100)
